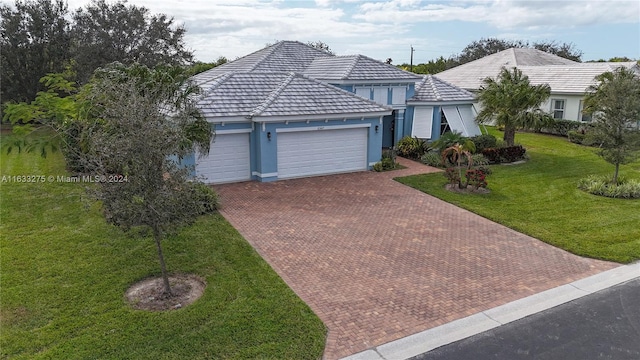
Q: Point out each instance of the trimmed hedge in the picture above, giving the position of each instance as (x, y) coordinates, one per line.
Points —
(507, 154)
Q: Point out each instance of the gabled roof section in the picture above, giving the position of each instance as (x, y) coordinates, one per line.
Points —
(283, 56)
(434, 90)
(279, 94)
(358, 68)
(572, 78)
(470, 75)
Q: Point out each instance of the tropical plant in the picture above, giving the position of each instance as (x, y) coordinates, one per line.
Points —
(512, 102)
(615, 104)
(459, 155)
(412, 147)
(602, 186)
(448, 139)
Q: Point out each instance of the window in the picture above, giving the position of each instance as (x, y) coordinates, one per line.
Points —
(381, 95)
(585, 117)
(398, 95)
(444, 124)
(557, 106)
(364, 92)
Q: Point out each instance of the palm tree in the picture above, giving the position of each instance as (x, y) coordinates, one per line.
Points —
(511, 101)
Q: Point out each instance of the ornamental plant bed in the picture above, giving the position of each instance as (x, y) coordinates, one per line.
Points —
(468, 190)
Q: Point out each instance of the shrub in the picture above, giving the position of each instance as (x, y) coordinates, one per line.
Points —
(504, 155)
(492, 155)
(432, 158)
(452, 175)
(560, 127)
(602, 186)
(388, 161)
(476, 178)
(512, 153)
(484, 141)
(208, 197)
(412, 147)
(576, 137)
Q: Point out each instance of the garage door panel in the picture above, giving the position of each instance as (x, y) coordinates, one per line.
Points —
(228, 159)
(307, 153)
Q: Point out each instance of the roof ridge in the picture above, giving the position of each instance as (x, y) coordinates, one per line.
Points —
(270, 52)
(272, 96)
(215, 83)
(453, 86)
(435, 89)
(349, 69)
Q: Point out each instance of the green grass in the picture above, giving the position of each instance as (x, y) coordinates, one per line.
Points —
(540, 198)
(64, 272)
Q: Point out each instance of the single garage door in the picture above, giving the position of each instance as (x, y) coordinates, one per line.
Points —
(307, 153)
(228, 159)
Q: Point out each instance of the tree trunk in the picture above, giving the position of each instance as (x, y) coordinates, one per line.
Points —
(509, 135)
(615, 174)
(165, 278)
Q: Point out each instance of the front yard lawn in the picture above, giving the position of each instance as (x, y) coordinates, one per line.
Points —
(540, 198)
(64, 272)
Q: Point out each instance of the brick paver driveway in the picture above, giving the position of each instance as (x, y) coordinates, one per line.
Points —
(377, 260)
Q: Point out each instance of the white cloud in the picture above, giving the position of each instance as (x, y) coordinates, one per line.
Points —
(504, 14)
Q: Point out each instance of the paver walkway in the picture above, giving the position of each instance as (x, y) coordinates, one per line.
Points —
(377, 260)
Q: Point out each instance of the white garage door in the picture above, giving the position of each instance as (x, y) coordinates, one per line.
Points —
(307, 153)
(228, 159)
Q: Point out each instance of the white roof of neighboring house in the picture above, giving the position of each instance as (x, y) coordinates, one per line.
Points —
(435, 90)
(357, 67)
(280, 94)
(563, 75)
(571, 79)
(470, 75)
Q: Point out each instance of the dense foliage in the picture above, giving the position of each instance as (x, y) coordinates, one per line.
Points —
(42, 36)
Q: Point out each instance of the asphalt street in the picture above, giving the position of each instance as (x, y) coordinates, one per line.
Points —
(603, 325)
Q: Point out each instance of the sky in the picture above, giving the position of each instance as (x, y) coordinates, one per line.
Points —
(388, 29)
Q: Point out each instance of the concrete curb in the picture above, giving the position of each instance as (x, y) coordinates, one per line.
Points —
(428, 340)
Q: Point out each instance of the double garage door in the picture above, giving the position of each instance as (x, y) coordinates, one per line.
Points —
(299, 154)
(308, 153)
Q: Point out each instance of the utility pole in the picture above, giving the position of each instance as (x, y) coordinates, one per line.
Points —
(411, 65)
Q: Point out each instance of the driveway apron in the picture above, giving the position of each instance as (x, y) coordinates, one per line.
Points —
(377, 260)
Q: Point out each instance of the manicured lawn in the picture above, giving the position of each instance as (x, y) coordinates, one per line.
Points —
(540, 198)
(64, 272)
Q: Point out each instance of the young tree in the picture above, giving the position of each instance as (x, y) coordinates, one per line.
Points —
(511, 101)
(107, 32)
(148, 121)
(36, 40)
(615, 104)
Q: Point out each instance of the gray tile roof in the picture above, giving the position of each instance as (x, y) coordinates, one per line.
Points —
(279, 94)
(283, 56)
(356, 67)
(470, 75)
(434, 89)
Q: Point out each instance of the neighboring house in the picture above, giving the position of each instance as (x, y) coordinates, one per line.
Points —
(290, 110)
(568, 79)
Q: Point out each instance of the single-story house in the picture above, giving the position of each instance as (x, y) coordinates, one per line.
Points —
(568, 79)
(290, 110)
